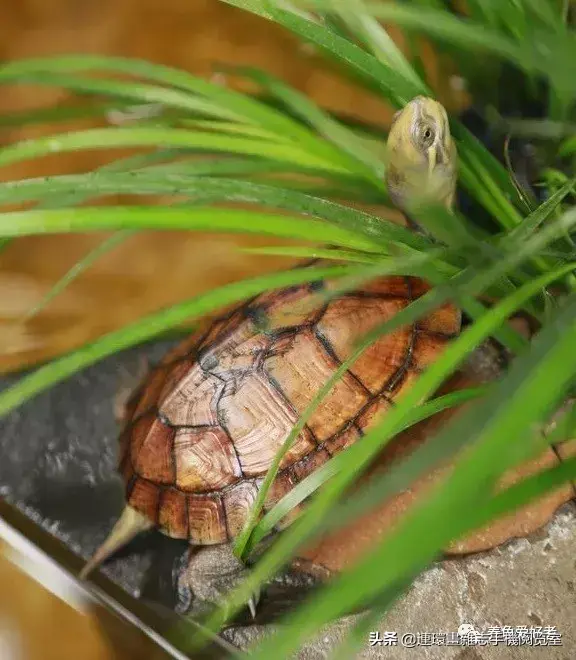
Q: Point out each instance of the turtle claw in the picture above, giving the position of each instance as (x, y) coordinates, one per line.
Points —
(253, 603)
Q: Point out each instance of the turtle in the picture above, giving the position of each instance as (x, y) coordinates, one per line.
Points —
(202, 430)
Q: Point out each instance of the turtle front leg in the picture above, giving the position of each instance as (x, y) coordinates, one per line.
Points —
(211, 573)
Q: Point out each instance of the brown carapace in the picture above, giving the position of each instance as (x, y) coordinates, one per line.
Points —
(203, 429)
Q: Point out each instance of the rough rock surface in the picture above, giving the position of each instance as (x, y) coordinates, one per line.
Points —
(529, 581)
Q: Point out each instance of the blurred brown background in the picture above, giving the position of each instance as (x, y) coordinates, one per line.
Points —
(148, 271)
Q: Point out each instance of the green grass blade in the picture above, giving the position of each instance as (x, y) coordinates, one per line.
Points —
(339, 462)
(371, 165)
(228, 100)
(372, 33)
(151, 326)
(102, 138)
(391, 83)
(232, 128)
(541, 214)
(316, 253)
(161, 181)
(236, 102)
(486, 179)
(311, 523)
(138, 92)
(57, 114)
(55, 221)
(524, 492)
(498, 420)
(463, 33)
(77, 269)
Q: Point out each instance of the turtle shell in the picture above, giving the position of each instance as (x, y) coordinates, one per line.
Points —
(204, 428)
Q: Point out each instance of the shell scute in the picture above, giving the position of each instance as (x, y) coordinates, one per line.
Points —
(389, 287)
(150, 394)
(426, 349)
(210, 422)
(193, 401)
(218, 329)
(144, 498)
(237, 502)
(295, 307)
(309, 464)
(300, 370)
(258, 420)
(206, 519)
(205, 459)
(441, 321)
(225, 362)
(282, 485)
(173, 513)
(380, 406)
(342, 440)
(151, 450)
(346, 321)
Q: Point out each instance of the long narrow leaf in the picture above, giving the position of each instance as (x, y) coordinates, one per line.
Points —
(311, 523)
(443, 515)
(324, 124)
(161, 181)
(54, 221)
(153, 325)
(102, 138)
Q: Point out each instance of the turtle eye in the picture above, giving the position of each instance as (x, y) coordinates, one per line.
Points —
(427, 135)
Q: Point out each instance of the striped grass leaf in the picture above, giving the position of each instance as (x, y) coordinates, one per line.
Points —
(135, 92)
(232, 128)
(370, 32)
(470, 35)
(237, 102)
(531, 223)
(486, 179)
(60, 113)
(392, 84)
(315, 253)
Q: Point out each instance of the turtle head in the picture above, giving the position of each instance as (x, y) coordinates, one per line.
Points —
(421, 155)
